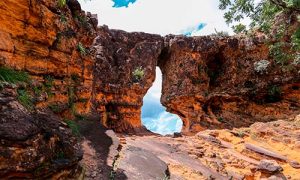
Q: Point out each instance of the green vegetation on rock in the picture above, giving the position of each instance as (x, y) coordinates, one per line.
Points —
(73, 126)
(138, 73)
(265, 16)
(11, 76)
(25, 99)
(62, 3)
(81, 49)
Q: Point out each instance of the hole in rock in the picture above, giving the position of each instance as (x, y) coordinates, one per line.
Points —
(154, 116)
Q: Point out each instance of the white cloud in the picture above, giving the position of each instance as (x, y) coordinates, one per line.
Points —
(154, 115)
(155, 91)
(166, 123)
(159, 16)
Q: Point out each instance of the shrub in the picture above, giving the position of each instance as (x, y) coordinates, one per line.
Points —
(62, 3)
(220, 33)
(297, 60)
(138, 73)
(25, 99)
(261, 66)
(48, 84)
(221, 119)
(37, 90)
(273, 18)
(12, 76)
(73, 126)
(81, 49)
(240, 28)
(276, 51)
(82, 21)
(274, 94)
(63, 18)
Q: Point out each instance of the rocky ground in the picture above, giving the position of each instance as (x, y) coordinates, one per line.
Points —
(262, 151)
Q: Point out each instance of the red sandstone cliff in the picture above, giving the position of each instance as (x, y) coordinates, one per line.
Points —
(50, 42)
(210, 82)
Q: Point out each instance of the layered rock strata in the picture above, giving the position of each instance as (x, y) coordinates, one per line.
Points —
(35, 145)
(50, 41)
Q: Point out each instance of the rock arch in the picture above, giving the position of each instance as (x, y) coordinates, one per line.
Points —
(203, 80)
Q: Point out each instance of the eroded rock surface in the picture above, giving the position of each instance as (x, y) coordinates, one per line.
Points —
(119, 92)
(51, 42)
(35, 145)
(222, 154)
(210, 82)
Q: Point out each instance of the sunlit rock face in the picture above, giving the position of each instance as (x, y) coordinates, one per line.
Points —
(209, 82)
(42, 38)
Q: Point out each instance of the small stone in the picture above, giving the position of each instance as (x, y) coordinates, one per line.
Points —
(94, 174)
(270, 166)
(297, 118)
(276, 178)
(295, 164)
(176, 135)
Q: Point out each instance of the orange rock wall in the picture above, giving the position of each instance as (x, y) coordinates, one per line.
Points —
(119, 94)
(42, 38)
(211, 82)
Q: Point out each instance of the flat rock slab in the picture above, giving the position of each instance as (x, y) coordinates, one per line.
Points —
(140, 164)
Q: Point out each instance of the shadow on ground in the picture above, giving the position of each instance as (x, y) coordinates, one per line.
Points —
(99, 144)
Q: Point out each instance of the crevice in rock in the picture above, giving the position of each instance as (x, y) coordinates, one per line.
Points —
(214, 66)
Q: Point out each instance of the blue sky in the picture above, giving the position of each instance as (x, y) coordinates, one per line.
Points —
(159, 16)
(122, 3)
(154, 115)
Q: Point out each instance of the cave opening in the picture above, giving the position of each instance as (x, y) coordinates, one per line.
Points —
(154, 115)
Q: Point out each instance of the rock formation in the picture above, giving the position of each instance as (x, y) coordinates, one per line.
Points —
(213, 82)
(210, 82)
(118, 91)
(77, 69)
(218, 154)
(35, 145)
(49, 41)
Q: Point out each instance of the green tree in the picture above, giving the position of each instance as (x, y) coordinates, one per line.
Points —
(275, 18)
(261, 13)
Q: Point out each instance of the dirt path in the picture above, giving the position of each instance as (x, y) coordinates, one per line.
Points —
(264, 150)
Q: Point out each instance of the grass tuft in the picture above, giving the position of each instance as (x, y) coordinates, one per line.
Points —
(25, 99)
(81, 49)
(74, 127)
(12, 76)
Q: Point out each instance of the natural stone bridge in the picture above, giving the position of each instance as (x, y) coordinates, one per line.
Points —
(209, 81)
(77, 69)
